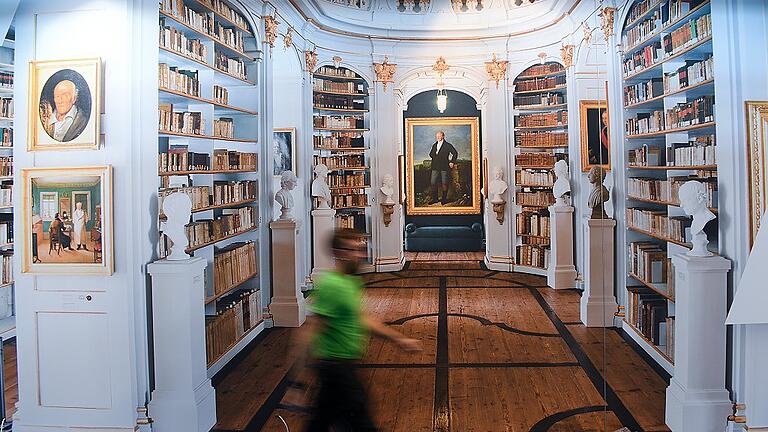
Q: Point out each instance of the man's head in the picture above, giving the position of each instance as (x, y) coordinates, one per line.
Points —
(440, 135)
(64, 96)
(288, 180)
(604, 117)
(78, 205)
(348, 249)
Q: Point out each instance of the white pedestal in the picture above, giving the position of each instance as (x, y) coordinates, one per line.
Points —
(598, 303)
(183, 399)
(696, 397)
(287, 305)
(561, 273)
(756, 377)
(322, 230)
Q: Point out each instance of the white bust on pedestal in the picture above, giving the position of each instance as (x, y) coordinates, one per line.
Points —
(177, 208)
(388, 189)
(561, 273)
(562, 183)
(693, 200)
(284, 197)
(497, 187)
(320, 189)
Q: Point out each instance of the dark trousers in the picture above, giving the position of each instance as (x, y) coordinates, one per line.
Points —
(340, 401)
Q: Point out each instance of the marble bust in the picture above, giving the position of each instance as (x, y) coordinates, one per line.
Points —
(388, 189)
(497, 187)
(283, 197)
(599, 193)
(562, 183)
(693, 200)
(320, 189)
(177, 208)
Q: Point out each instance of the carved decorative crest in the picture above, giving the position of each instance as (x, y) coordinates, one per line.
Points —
(270, 31)
(384, 71)
(310, 59)
(440, 66)
(566, 52)
(497, 69)
(336, 61)
(542, 57)
(288, 38)
(587, 33)
(606, 21)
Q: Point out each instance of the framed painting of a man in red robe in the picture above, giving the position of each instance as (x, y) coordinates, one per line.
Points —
(595, 135)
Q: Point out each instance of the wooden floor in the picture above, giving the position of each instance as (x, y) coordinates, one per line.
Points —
(501, 353)
(10, 375)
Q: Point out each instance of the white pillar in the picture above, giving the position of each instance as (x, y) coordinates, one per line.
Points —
(696, 397)
(287, 306)
(322, 230)
(598, 303)
(561, 273)
(183, 398)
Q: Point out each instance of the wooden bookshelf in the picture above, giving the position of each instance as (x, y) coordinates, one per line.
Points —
(648, 342)
(335, 77)
(344, 110)
(665, 132)
(674, 168)
(230, 288)
(540, 107)
(551, 89)
(220, 206)
(656, 65)
(546, 75)
(190, 172)
(660, 98)
(189, 61)
(221, 239)
(343, 149)
(196, 33)
(340, 93)
(656, 289)
(190, 97)
(341, 129)
(538, 128)
(222, 18)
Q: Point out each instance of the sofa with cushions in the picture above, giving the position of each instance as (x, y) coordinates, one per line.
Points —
(444, 238)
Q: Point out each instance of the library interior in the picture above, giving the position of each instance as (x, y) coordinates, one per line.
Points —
(384, 215)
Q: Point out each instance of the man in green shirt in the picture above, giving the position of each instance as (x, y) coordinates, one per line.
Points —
(340, 331)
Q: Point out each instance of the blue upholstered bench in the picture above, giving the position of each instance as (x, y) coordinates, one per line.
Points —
(443, 238)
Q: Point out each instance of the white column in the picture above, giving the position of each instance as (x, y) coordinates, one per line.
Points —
(287, 306)
(183, 398)
(696, 397)
(322, 230)
(598, 303)
(561, 273)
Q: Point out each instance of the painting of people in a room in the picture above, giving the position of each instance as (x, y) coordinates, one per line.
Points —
(595, 135)
(67, 223)
(444, 171)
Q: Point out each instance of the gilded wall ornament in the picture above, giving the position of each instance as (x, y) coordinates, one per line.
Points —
(606, 21)
(310, 59)
(587, 33)
(336, 61)
(566, 52)
(542, 57)
(497, 69)
(440, 66)
(288, 38)
(384, 71)
(270, 31)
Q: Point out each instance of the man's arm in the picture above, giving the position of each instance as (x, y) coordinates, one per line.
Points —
(433, 151)
(379, 329)
(453, 154)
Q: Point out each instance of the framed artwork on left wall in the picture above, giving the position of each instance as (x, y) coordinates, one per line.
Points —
(67, 220)
(64, 104)
(284, 150)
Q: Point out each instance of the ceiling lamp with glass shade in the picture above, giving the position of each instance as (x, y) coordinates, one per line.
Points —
(440, 67)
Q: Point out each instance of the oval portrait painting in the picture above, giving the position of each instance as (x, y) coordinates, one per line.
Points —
(65, 105)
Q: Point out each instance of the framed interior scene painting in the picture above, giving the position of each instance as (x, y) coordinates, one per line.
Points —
(67, 219)
(443, 175)
(64, 104)
(595, 135)
(757, 163)
(284, 150)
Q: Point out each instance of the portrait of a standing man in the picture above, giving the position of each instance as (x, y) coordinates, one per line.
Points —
(444, 157)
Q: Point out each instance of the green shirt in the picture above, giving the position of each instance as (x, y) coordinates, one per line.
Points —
(338, 298)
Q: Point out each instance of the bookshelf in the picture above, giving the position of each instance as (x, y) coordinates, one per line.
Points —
(208, 148)
(541, 139)
(669, 138)
(340, 121)
(7, 286)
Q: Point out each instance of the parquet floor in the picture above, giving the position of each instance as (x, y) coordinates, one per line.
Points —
(502, 353)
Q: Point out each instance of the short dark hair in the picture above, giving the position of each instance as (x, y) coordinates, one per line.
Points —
(342, 236)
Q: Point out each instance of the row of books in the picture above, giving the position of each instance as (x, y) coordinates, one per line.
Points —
(203, 23)
(657, 222)
(640, 8)
(322, 100)
(339, 140)
(538, 159)
(544, 99)
(220, 94)
(177, 41)
(346, 180)
(224, 10)
(6, 79)
(700, 110)
(231, 221)
(6, 107)
(542, 70)
(354, 221)
(671, 10)
(336, 72)
(541, 139)
(349, 199)
(532, 256)
(233, 265)
(224, 127)
(232, 66)
(642, 31)
(320, 84)
(533, 223)
(534, 198)
(6, 195)
(649, 262)
(338, 122)
(697, 151)
(666, 190)
(540, 83)
(692, 73)
(647, 312)
(7, 137)
(224, 193)
(229, 325)
(180, 80)
(6, 228)
(534, 178)
(559, 118)
(187, 122)
(6, 269)
(179, 158)
(345, 161)
(6, 166)
(224, 160)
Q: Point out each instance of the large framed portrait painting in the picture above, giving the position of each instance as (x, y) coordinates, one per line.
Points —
(67, 219)
(595, 135)
(284, 150)
(443, 165)
(65, 104)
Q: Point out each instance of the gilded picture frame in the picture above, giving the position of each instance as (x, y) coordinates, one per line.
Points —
(283, 138)
(594, 123)
(49, 239)
(73, 85)
(757, 163)
(463, 178)
(401, 178)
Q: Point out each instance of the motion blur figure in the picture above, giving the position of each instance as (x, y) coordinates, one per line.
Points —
(339, 332)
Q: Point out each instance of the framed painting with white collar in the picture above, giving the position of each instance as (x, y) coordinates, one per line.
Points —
(64, 104)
